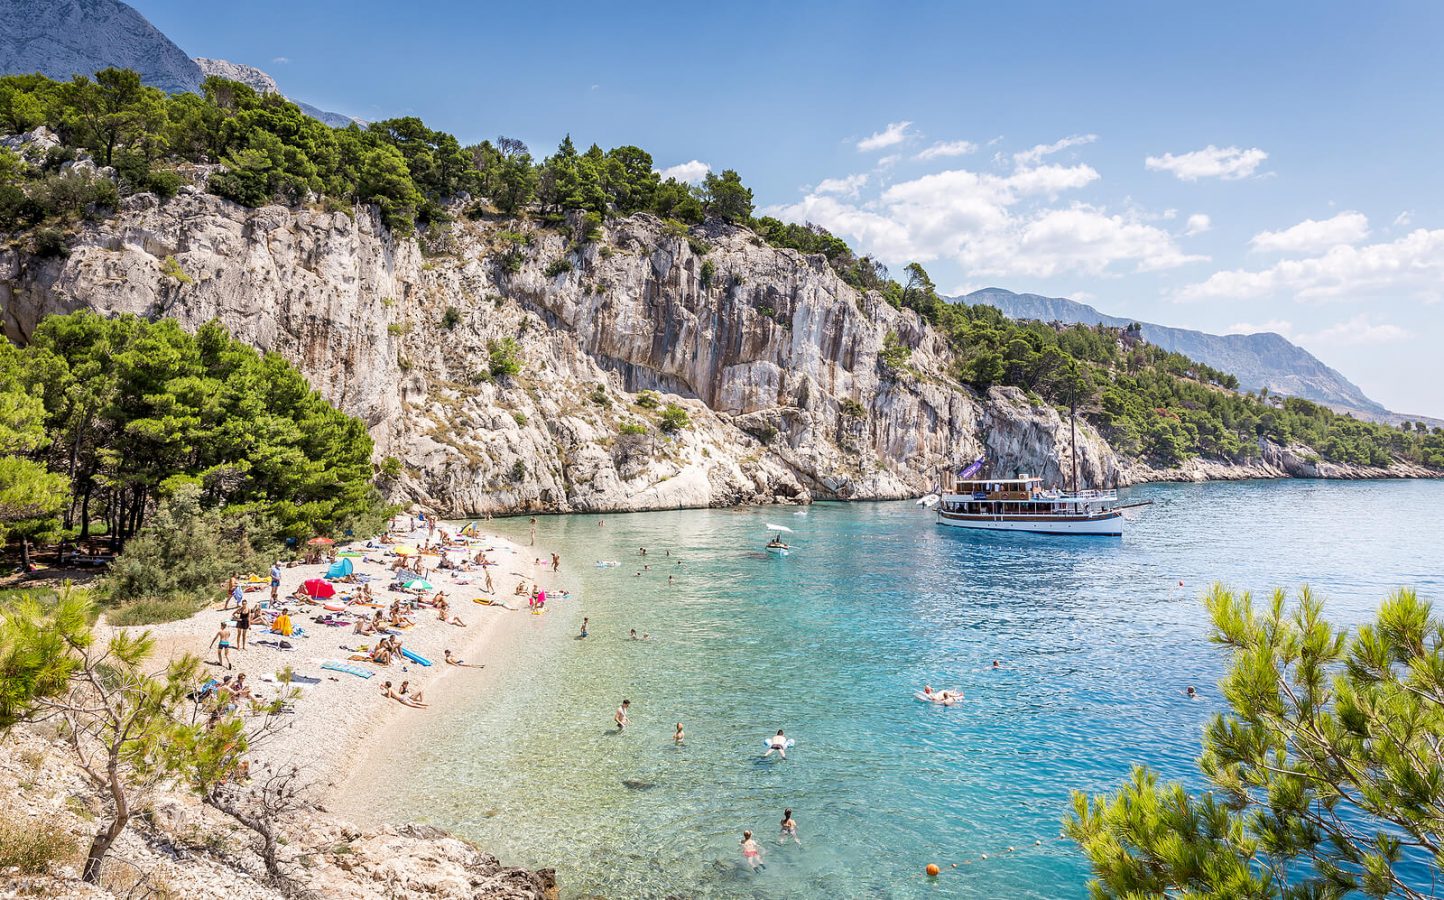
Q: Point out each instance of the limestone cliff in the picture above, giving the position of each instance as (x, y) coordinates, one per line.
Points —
(773, 357)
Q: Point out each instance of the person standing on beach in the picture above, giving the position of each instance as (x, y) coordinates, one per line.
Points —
(556, 562)
(620, 717)
(275, 581)
(489, 588)
(231, 584)
(533, 531)
(585, 621)
(222, 643)
(238, 593)
(243, 624)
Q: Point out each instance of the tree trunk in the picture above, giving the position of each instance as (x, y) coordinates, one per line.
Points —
(85, 512)
(106, 838)
(25, 554)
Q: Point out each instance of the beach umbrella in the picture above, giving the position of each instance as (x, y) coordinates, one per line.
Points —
(319, 588)
(419, 584)
(403, 550)
(430, 552)
(341, 568)
(771, 527)
(320, 541)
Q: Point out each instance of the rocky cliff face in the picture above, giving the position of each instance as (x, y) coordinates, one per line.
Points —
(774, 358)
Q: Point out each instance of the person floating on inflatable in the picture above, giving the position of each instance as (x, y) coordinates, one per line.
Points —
(778, 744)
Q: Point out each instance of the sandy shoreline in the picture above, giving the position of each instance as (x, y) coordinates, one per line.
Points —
(340, 722)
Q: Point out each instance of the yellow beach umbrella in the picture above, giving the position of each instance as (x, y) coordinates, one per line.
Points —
(404, 550)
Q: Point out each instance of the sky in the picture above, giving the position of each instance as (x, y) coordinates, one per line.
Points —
(1223, 166)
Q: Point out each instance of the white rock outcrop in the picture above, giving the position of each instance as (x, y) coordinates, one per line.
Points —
(774, 357)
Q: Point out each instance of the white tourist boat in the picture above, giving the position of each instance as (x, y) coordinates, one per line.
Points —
(1022, 504)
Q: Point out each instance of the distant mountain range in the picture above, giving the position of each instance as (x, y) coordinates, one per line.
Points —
(1258, 360)
(62, 38)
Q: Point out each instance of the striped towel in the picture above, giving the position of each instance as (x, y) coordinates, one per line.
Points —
(335, 665)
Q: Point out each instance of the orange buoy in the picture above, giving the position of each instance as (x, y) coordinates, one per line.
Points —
(933, 870)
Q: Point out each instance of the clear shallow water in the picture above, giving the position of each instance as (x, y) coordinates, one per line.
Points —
(1097, 638)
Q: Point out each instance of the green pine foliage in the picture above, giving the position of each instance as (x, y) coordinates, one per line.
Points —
(135, 412)
(1326, 772)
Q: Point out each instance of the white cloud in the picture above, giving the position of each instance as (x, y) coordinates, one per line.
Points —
(1277, 326)
(1036, 154)
(280, 59)
(1403, 219)
(948, 148)
(889, 161)
(1359, 330)
(848, 186)
(895, 133)
(1411, 266)
(1228, 163)
(689, 172)
(1313, 235)
(994, 224)
(1197, 224)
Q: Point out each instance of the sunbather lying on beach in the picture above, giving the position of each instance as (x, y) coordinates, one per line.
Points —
(453, 661)
(389, 693)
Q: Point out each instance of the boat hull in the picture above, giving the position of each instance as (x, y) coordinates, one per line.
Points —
(1104, 525)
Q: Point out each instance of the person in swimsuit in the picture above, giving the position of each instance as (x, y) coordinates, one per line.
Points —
(414, 695)
(390, 693)
(751, 853)
(243, 624)
(1191, 693)
(789, 828)
(222, 643)
(275, 581)
(778, 744)
(620, 716)
(453, 661)
(585, 622)
(679, 736)
(231, 584)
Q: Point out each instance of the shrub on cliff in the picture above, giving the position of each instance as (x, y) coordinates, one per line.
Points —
(504, 357)
(674, 418)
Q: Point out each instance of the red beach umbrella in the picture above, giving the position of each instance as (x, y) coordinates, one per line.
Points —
(319, 588)
(320, 541)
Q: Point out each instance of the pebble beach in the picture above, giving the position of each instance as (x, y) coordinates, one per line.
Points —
(338, 719)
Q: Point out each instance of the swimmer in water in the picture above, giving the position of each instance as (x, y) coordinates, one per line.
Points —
(633, 634)
(620, 716)
(1191, 693)
(751, 853)
(777, 744)
(996, 665)
(679, 736)
(789, 829)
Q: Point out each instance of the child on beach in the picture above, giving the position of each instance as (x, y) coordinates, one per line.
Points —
(222, 643)
(789, 829)
(751, 853)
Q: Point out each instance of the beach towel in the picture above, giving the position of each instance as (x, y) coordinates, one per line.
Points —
(335, 665)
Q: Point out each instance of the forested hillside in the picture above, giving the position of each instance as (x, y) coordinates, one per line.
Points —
(1157, 406)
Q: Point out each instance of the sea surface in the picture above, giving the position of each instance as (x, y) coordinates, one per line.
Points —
(1097, 639)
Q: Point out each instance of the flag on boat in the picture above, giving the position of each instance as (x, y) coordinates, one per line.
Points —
(972, 468)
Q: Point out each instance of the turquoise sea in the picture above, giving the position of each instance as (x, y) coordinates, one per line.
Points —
(1096, 638)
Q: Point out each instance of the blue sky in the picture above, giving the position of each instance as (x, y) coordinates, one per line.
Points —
(1218, 166)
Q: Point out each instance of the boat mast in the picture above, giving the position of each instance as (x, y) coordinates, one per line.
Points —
(1073, 427)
